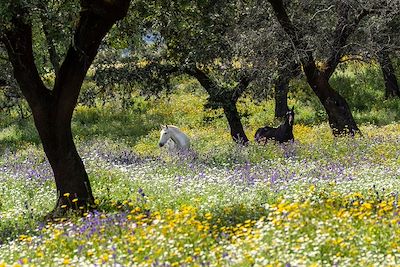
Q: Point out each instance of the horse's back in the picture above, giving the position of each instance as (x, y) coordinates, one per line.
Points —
(263, 134)
(280, 134)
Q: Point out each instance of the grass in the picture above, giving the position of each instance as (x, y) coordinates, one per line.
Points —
(317, 201)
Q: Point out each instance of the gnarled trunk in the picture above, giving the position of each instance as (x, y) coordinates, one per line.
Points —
(72, 182)
(391, 84)
(340, 118)
(225, 98)
(281, 84)
(235, 124)
(339, 114)
(281, 93)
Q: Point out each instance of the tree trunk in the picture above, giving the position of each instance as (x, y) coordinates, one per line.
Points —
(235, 124)
(72, 182)
(391, 84)
(281, 92)
(52, 109)
(339, 114)
(286, 72)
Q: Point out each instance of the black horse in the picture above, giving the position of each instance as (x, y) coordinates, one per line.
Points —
(281, 134)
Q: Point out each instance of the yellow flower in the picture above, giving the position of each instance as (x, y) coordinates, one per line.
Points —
(366, 206)
(104, 257)
(75, 200)
(66, 261)
(66, 194)
(208, 216)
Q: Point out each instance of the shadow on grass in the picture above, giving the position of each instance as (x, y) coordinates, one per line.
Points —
(87, 124)
(228, 216)
(17, 134)
(237, 214)
(126, 126)
(12, 229)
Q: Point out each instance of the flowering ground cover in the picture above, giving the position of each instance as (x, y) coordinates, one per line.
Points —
(317, 201)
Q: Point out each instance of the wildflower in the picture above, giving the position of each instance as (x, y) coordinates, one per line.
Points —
(89, 253)
(104, 258)
(208, 216)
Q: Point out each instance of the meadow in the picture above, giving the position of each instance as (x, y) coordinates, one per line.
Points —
(319, 201)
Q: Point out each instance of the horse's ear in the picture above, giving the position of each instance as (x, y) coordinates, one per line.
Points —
(292, 108)
(166, 126)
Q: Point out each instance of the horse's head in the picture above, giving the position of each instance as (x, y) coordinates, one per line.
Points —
(290, 116)
(165, 134)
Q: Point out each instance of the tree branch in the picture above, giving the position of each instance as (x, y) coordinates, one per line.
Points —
(203, 79)
(96, 19)
(241, 87)
(18, 43)
(343, 30)
(54, 58)
(306, 58)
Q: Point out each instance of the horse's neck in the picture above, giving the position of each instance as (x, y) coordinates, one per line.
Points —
(179, 137)
(286, 126)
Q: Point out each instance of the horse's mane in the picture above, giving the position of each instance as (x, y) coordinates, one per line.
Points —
(172, 126)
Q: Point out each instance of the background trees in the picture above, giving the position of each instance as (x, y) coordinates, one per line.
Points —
(319, 35)
(191, 38)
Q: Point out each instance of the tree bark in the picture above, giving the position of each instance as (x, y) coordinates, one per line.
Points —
(340, 118)
(281, 93)
(391, 84)
(285, 75)
(235, 124)
(52, 110)
(72, 182)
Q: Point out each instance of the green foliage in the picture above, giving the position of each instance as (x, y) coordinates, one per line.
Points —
(362, 86)
(17, 134)
(90, 123)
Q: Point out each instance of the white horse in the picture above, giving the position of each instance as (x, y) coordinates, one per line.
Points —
(172, 132)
